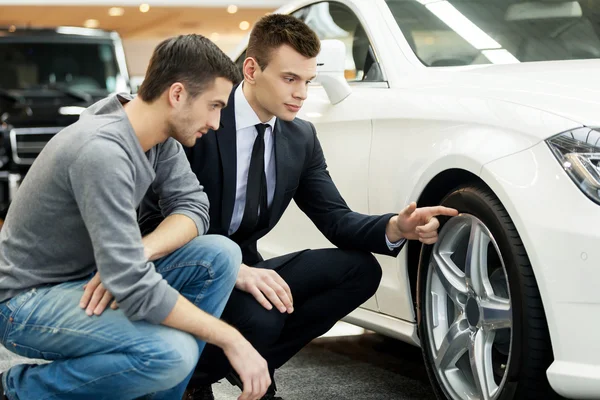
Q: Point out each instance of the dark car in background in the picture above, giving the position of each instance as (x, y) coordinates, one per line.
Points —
(47, 78)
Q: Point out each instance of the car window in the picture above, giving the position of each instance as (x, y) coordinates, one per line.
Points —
(466, 32)
(89, 67)
(332, 20)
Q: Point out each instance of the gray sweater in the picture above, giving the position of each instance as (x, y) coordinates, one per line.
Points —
(75, 212)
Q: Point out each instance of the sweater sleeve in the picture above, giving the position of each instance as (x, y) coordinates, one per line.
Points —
(177, 187)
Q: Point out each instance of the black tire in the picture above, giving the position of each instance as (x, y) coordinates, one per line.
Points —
(531, 353)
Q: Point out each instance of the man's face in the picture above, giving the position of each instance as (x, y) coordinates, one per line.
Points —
(194, 117)
(281, 87)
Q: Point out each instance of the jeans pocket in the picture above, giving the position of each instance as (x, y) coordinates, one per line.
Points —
(17, 301)
(30, 352)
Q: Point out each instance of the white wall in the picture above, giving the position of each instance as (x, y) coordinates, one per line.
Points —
(139, 51)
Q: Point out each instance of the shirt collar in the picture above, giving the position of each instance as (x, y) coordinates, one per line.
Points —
(245, 116)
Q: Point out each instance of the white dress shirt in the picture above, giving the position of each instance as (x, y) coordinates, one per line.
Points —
(245, 121)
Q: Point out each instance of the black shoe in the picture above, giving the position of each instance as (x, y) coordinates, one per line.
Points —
(235, 380)
(270, 395)
(199, 393)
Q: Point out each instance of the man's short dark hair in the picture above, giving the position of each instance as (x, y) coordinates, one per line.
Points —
(192, 60)
(275, 30)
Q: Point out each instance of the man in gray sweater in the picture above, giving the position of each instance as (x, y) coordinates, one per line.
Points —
(74, 217)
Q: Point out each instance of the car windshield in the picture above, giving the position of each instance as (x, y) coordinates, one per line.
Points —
(467, 32)
(74, 66)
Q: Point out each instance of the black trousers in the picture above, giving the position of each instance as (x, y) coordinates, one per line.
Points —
(326, 286)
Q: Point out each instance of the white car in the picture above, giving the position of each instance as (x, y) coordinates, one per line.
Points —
(488, 106)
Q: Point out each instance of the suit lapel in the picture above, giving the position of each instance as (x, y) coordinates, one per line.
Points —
(226, 138)
(281, 158)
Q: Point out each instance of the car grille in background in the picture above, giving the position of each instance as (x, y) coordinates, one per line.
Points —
(27, 143)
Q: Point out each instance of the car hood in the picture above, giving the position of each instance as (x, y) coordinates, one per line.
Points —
(42, 109)
(569, 89)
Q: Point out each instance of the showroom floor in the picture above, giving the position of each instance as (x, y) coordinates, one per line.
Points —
(344, 364)
(365, 367)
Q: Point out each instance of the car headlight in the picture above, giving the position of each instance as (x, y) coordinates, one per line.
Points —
(579, 153)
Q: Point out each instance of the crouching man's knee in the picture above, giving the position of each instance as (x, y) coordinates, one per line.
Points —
(223, 255)
(367, 271)
(166, 358)
(227, 262)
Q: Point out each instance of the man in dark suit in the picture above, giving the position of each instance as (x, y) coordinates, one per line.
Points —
(260, 159)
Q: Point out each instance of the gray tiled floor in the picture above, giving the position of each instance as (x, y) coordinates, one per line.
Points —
(8, 359)
(366, 367)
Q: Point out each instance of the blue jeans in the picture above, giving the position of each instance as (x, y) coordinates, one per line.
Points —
(109, 356)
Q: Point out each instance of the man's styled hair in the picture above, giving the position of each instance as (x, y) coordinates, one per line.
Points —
(275, 30)
(192, 60)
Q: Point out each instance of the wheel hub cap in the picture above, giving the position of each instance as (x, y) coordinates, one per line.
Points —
(473, 313)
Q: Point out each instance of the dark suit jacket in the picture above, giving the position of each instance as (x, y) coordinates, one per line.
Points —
(301, 174)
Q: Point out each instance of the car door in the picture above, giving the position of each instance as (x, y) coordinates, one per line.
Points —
(344, 130)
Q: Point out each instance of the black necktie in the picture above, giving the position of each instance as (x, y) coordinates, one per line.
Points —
(256, 189)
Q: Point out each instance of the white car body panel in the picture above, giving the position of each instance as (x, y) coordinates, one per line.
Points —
(561, 240)
(387, 140)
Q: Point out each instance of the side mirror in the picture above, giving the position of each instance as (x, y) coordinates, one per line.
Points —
(330, 70)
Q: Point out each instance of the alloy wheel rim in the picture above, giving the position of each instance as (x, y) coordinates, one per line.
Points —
(469, 311)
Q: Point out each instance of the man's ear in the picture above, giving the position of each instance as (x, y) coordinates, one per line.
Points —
(176, 94)
(250, 68)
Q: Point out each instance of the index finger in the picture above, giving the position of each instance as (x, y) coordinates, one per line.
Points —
(441, 210)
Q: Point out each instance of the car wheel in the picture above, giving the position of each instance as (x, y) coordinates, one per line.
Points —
(481, 321)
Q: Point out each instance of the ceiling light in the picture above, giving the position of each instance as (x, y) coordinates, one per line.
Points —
(144, 8)
(91, 23)
(232, 9)
(116, 11)
(244, 25)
